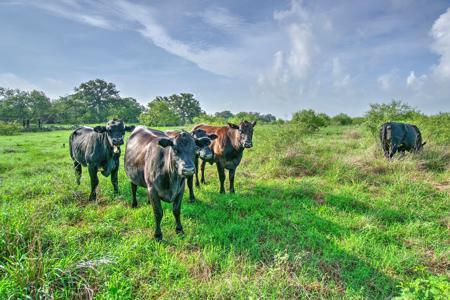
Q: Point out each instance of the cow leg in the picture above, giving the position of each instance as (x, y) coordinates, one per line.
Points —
(157, 212)
(114, 177)
(176, 213)
(197, 183)
(133, 195)
(231, 174)
(78, 170)
(203, 171)
(393, 151)
(94, 183)
(190, 182)
(221, 172)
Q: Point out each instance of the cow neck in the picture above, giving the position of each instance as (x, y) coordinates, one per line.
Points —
(234, 137)
(105, 142)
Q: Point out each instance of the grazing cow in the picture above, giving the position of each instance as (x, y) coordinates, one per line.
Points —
(98, 149)
(228, 148)
(400, 137)
(161, 164)
(205, 153)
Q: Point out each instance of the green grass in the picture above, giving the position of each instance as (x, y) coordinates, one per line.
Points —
(314, 216)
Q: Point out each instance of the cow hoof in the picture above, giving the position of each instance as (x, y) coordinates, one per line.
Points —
(222, 191)
(179, 231)
(134, 205)
(231, 191)
(191, 200)
(92, 197)
(158, 237)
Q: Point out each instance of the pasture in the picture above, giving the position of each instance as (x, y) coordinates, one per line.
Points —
(323, 215)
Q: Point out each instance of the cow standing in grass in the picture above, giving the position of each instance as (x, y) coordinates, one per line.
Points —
(161, 164)
(400, 137)
(228, 148)
(204, 153)
(98, 149)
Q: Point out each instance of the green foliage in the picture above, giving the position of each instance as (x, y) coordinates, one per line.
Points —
(211, 120)
(126, 109)
(431, 288)
(159, 114)
(385, 112)
(435, 128)
(342, 119)
(9, 128)
(358, 120)
(309, 120)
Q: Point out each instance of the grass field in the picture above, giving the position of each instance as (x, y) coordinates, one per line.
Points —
(314, 216)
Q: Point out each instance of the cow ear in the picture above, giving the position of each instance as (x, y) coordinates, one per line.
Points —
(99, 129)
(130, 128)
(163, 142)
(202, 142)
(212, 136)
(423, 143)
(254, 123)
(234, 126)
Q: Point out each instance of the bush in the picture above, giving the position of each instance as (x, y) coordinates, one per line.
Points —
(342, 119)
(394, 111)
(9, 128)
(435, 128)
(309, 120)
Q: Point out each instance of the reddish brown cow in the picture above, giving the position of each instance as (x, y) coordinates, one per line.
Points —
(228, 148)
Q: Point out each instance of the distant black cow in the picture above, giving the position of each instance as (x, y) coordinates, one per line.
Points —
(161, 164)
(205, 153)
(228, 148)
(98, 149)
(400, 137)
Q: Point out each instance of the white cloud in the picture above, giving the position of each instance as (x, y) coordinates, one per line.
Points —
(221, 18)
(388, 80)
(441, 44)
(295, 10)
(340, 78)
(415, 82)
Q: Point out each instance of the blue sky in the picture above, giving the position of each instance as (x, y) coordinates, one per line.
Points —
(268, 56)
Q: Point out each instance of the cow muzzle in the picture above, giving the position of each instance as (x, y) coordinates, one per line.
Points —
(116, 149)
(188, 171)
(248, 144)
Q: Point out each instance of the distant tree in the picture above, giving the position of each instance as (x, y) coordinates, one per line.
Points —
(97, 95)
(40, 106)
(160, 114)
(14, 105)
(226, 114)
(342, 119)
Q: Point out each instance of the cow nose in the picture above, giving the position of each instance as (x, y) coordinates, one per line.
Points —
(248, 144)
(187, 171)
(118, 141)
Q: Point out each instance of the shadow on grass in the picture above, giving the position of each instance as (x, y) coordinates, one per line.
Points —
(267, 220)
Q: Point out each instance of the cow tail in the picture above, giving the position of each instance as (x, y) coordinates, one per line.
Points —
(72, 135)
(418, 138)
(383, 137)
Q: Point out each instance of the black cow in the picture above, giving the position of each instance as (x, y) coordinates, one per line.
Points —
(400, 137)
(161, 164)
(228, 148)
(205, 153)
(98, 149)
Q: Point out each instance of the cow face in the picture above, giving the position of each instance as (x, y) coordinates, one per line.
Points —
(183, 151)
(204, 152)
(245, 133)
(115, 131)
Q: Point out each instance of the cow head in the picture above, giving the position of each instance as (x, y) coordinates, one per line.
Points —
(204, 152)
(115, 131)
(245, 133)
(183, 151)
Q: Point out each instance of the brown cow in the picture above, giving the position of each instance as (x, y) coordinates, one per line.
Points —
(228, 148)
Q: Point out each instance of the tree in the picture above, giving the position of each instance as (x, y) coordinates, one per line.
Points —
(97, 95)
(159, 114)
(127, 109)
(40, 106)
(185, 106)
(226, 114)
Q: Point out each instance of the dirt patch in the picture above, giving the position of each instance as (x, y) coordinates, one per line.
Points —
(352, 135)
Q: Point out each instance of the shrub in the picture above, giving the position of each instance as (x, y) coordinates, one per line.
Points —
(9, 128)
(393, 111)
(342, 119)
(309, 120)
